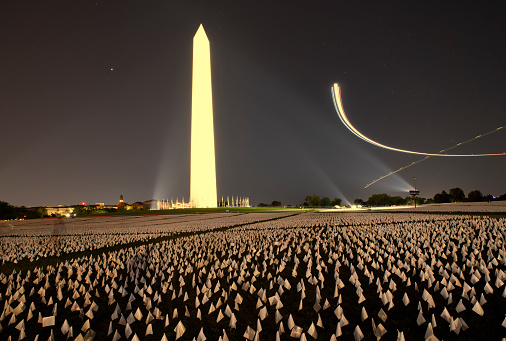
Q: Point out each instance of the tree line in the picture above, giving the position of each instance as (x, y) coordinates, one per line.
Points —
(10, 212)
(457, 195)
(315, 201)
(453, 195)
(310, 201)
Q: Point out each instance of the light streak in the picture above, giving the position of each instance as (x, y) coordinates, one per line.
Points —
(336, 98)
(428, 157)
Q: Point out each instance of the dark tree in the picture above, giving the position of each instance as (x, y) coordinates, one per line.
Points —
(442, 197)
(397, 201)
(379, 200)
(419, 201)
(385, 200)
(359, 202)
(336, 202)
(457, 195)
(27, 213)
(262, 205)
(41, 211)
(80, 210)
(7, 211)
(313, 200)
(325, 201)
(276, 203)
(475, 196)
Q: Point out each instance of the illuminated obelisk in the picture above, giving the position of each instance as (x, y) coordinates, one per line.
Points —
(203, 167)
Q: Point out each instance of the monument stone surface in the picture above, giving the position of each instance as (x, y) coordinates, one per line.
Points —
(203, 191)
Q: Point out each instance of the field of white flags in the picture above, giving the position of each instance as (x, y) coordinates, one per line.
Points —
(469, 207)
(255, 276)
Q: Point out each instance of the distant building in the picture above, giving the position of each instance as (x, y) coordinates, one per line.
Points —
(59, 211)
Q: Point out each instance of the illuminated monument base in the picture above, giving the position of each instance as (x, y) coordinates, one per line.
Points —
(237, 202)
(203, 169)
(166, 204)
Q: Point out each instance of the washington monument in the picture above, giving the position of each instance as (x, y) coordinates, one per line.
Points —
(203, 167)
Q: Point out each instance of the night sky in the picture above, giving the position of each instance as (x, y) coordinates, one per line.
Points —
(95, 98)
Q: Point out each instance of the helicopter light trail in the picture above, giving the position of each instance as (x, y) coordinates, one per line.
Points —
(336, 98)
(338, 104)
(428, 157)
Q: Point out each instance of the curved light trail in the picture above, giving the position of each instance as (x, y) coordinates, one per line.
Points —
(428, 157)
(336, 97)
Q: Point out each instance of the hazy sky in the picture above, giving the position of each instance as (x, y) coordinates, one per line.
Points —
(95, 97)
